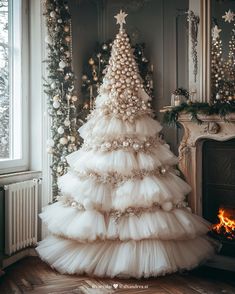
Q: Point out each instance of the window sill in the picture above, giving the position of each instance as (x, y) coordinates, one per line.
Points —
(10, 178)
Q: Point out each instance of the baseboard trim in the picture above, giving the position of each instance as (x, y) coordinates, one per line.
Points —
(9, 260)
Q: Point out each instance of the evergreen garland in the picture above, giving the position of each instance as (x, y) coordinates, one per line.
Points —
(59, 86)
(221, 108)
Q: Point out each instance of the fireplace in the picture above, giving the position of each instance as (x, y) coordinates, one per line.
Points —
(218, 191)
(207, 161)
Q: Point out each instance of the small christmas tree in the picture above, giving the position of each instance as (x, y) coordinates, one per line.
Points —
(230, 69)
(122, 210)
(217, 65)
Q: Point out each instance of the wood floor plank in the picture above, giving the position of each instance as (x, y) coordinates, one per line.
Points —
(31, 275)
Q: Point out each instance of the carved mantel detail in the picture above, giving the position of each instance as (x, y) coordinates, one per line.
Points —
(190, 150)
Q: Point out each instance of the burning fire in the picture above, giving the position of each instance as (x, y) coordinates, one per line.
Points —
(226, 225)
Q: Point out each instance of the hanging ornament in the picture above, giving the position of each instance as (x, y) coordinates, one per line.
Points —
(56, 97)
(52, 14)
(67, 122)
(63, 141)
(62, 64)
(91, 61)
(104, 47)
(60, 130)
(84, 77)
(74, 98)
(72, 138)
(56, 104)
(67, 39)
(66, 29)
(59, 20)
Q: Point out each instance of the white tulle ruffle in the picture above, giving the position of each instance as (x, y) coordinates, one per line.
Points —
(131, 193)
(89, 225)
(112, 128)
(137, 259)
(120, 161)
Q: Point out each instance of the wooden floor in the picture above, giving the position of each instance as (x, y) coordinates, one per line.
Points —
(31, 275)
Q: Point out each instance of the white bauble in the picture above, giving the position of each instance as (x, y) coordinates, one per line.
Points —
(74, 98)
(56, 104)
(67, 122)
(52, 14)
(167, 206)
(50, 142)
(72, 139)
(62, 64)
(60, 130)
(63, 141)
(88, 204)
(56, 97)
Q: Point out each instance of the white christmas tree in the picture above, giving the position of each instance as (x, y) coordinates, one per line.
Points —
(122, 210)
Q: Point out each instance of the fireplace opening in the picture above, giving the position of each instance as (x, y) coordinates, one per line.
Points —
(218, 191)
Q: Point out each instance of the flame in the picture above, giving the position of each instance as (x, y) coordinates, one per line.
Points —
(226, 225)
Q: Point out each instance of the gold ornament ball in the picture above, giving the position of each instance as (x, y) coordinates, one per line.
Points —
(74, 98)
(67, 39)
(66, 29)
(91, 61)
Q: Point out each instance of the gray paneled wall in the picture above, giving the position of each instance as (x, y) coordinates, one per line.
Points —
(160, 24)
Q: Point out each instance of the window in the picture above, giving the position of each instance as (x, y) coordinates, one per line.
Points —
(13, 86)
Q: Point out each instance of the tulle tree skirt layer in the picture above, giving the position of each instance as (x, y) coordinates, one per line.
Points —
(145, 258)
(91, 225)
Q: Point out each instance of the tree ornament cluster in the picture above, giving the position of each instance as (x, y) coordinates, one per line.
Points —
(122, 79)
(96, 69)
(223, 69)
(59, 87)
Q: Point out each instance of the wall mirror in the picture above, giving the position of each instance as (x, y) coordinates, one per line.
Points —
(222, 53)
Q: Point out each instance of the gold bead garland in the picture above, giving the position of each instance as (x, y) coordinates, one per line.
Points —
(115, 213)
(115, 179)
(124, 143)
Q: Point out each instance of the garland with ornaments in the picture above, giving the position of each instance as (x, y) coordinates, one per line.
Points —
(95, 70)
(194, 109)
(59, 86)
(222, 83)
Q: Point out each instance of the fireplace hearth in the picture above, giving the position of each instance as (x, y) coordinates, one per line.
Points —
(218, 195)
(207, 160)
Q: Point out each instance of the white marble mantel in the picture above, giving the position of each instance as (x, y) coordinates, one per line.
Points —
(190, 150)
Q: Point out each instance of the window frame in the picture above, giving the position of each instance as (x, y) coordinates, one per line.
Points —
(21, 164)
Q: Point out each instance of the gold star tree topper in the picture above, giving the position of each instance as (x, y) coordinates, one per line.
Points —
(120, 17)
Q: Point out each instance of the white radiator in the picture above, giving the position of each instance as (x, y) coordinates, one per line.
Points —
(21, 215)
